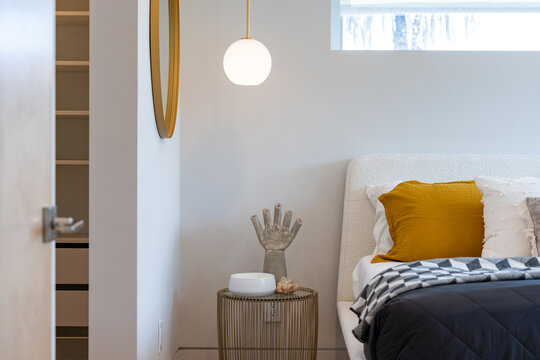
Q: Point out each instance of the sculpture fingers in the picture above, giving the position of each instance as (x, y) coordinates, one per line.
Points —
(296, 227)
(277, 215)
(266, 217)
(257, 225)
(287, 219)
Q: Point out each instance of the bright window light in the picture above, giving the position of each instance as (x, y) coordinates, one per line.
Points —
(436, 25)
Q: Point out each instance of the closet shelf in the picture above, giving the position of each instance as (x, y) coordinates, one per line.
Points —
(72, 162)
(68, 65)
(72, 18)
(72, 240)
(72, 113)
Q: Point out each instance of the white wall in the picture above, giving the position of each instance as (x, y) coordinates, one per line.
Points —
(134, 194)
(289, 140)
(113, 181)
(158, 204)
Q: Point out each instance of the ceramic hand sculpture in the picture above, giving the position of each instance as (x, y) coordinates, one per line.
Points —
(275, 238)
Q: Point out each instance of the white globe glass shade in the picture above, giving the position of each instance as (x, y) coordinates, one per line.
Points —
(247, 62)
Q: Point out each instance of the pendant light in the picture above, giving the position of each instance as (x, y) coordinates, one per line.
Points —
(247, 61)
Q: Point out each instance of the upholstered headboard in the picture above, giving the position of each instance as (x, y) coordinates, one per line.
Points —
(358, 216)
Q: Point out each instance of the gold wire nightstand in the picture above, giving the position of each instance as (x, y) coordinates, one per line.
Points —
(277, 326)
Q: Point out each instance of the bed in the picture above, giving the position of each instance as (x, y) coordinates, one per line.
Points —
(358, 216)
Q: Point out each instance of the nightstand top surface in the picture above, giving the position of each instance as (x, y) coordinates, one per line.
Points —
(300, 294)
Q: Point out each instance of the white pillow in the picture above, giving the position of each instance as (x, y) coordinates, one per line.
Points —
(505, 233)
(381, 233)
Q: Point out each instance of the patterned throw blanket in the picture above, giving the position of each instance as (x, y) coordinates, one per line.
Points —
(420, 274)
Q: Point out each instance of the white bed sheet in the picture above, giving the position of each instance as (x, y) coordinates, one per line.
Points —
(365, 271)
(348, 321)
(362, 274)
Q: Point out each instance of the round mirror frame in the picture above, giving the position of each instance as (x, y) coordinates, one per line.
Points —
(165, 120)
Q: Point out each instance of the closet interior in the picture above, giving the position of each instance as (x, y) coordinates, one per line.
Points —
(72, 163)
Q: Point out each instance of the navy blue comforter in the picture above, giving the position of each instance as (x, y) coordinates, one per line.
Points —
(497, 320)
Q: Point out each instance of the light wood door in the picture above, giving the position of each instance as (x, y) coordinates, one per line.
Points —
(26, 178)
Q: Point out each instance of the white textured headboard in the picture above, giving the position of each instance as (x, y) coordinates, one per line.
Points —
(358, 216)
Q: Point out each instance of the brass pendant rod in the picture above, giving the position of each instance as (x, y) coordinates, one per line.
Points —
(247, 20)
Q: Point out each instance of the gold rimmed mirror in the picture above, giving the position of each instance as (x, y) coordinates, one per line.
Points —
(165, 62)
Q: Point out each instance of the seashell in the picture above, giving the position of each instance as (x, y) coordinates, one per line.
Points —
(286, 286)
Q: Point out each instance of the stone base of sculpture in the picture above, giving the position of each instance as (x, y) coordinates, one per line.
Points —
(274, 263)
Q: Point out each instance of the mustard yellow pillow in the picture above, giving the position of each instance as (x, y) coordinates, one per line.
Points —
(429, 221)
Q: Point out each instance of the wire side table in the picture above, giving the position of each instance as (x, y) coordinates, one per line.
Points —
(273, 327)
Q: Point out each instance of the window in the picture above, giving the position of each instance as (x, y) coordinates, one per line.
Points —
(436, 25)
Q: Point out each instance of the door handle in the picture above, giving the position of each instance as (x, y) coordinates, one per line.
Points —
(53, 225)
(66, 225)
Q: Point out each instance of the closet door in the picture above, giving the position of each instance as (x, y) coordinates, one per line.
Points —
(26, 178)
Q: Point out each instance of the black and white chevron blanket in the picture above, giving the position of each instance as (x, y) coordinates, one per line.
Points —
(421, 274)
